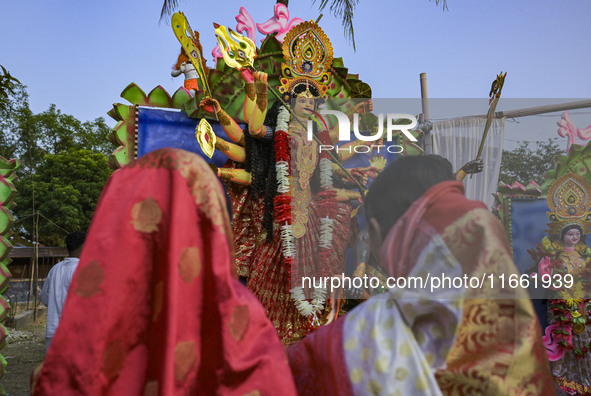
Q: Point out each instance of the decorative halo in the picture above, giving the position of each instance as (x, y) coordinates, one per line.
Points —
(569, 199)
(308, 57)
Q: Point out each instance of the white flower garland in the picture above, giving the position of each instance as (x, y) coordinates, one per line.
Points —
(283, 117)
(287, 243)
(308, 309)
(288, 246)
(326, 225)
(325, 173)
(282, 175)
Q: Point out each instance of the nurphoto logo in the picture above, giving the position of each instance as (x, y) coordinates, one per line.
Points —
(345, 126)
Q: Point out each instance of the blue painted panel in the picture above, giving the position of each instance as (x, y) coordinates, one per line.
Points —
(159, 128)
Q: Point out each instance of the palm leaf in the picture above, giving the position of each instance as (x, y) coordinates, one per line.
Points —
(168, 8)
(443, 2)
(343, 9)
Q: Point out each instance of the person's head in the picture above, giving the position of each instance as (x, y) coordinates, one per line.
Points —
(74, 243)
(571, 235)
(161, 242)
(395, 189)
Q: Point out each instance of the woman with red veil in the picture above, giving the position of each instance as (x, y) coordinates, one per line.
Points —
(155, 307)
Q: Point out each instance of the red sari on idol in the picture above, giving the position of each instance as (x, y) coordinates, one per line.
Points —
(155, 307)
(270, 276)
(445, 341)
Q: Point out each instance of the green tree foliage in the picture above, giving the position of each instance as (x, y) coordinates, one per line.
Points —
(66, 188)
(525, 164)
(29, 136)
(64, 165)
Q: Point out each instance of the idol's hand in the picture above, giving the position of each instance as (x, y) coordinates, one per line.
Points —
(354, 292)
(247, 74)
(364, 173)
(210, 105)
(364, 107)
(475, 166)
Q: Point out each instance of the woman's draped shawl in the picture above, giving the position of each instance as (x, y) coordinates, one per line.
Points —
(155, 307)
(439, 341)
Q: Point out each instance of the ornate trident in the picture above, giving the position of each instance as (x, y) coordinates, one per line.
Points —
(184, 33)
(238, 51)
(494, 95)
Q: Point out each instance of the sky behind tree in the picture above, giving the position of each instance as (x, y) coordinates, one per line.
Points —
(80, 55)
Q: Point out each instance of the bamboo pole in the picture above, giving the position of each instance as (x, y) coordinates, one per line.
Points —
(529, 111)
(30, 284)
(424, 117)
(580, 104)
(36, 264)
(32, 259)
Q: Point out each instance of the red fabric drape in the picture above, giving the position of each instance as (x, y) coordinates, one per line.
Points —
(155, 307)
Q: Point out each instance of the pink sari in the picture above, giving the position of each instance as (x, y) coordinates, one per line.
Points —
(155, 307)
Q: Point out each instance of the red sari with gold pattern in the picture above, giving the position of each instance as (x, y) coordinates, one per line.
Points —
(155, 307)
(447, 342)
(270, 277)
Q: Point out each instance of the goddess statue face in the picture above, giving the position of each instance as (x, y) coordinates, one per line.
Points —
(572, 237)
(303, 106)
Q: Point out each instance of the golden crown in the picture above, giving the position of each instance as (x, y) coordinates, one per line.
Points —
(308, 56)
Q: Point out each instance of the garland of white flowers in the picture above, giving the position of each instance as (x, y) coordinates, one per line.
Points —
(313, 308)
(325, 173)
(306, 308)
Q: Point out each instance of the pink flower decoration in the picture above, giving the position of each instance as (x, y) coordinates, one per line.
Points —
(551, 343)
(571, 132)
(246, 24)
(279, 23)
(217, 53)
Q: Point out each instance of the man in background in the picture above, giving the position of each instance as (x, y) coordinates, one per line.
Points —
(55, 287)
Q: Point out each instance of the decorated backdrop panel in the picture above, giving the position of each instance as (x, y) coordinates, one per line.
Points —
(528, 222)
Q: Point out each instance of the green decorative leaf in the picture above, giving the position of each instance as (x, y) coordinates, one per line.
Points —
(5, 247)
(158, 97)
(120, 156)
(360, 90)
(3, 362)
(270, 45)
(120, 133)
(134, 94)
(4, 307)
(180, 97)
(7, 191)
(4, 275)
(191, 108)
(123, 111)
(113, 114)
(6, 220)
(338, 62)
(342, 72)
